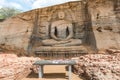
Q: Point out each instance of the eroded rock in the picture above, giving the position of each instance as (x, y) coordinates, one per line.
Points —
(15, 68)
(100, 66)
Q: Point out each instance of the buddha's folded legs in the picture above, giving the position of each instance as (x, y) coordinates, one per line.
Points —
(71, 42)
(51, 42)
(74, 42)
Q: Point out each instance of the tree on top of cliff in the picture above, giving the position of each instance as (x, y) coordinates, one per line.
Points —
(7, 12)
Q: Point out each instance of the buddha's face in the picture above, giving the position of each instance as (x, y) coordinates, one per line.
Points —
(61, 15)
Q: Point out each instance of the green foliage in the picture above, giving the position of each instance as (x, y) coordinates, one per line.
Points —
(1, 17)
(7, 12)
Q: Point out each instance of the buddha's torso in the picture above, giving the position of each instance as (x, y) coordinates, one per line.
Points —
(61, 28)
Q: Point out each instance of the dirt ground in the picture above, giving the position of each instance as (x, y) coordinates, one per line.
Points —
(53, 72)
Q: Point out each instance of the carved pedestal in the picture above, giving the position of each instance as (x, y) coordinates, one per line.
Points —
(60, 52)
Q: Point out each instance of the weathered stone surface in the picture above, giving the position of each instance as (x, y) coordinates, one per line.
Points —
(15, 32)
(113, 51)
(15, 68)
(105, 17)
(95, 23)
(99, 66)
(33, 26)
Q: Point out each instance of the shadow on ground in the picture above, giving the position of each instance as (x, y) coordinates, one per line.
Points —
(48, 75)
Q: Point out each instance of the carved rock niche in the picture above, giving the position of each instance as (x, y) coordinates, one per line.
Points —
(61, 32)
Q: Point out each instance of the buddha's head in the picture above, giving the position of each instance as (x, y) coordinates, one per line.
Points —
(61, 15)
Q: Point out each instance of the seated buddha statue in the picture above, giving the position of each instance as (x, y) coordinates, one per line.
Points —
(61, 33)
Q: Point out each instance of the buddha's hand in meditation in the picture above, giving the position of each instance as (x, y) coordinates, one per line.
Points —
(63, 41)
(67, 40)
(58, 39)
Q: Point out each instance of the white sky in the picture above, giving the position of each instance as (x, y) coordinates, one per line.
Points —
(26, 5)
(44, 3)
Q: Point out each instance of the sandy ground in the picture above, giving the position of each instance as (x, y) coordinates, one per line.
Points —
(53, 72)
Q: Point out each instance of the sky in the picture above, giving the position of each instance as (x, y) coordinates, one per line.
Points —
(26, 5)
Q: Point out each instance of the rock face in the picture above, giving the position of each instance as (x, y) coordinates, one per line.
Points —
(105, 16)
(15, 32)
(100, 66)
(15, 68)
(95, 23)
